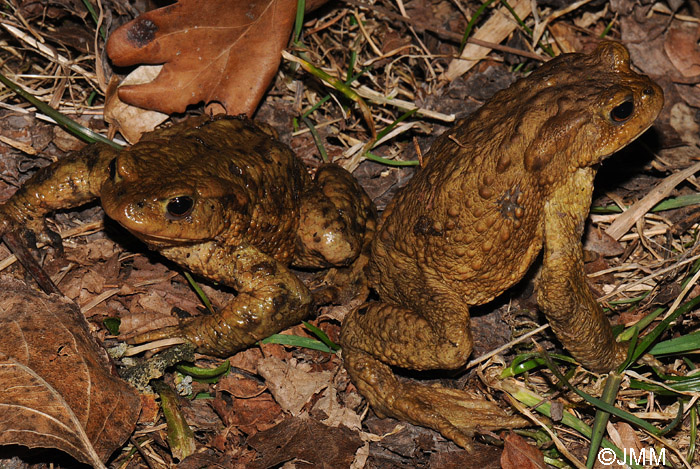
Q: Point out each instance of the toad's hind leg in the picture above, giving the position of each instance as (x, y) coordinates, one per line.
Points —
(337, 219)
(383, 334)
(337, 223)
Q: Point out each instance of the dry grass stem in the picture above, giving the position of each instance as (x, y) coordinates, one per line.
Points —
(628, 218)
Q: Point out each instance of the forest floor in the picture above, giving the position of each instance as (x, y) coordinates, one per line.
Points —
(284, 406)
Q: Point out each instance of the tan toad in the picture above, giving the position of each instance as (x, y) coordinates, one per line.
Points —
(224, 199)
(513, 177)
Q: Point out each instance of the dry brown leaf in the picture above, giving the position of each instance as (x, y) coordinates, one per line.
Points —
(624, 436)
(247, 360)
(565, 37)
(56, 390)
(338, 414)
(145, 320)
(292, 384)
(482, 457)
(240, 386)
(681, 46)
(248, 415)
(65, 141)
(518, 454)
(308, 440)
(226, 52)
(132, 121)
(601, 243)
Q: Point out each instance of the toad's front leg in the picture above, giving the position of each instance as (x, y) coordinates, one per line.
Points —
(564, 297)
(270, 298)
(69, 182)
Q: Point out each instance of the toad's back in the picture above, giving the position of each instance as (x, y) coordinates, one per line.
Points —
(472, 217)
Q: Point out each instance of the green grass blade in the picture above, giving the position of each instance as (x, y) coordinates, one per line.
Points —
(693, 434)
(674, 423)
(650, 338)
(686, 384)
(522, 24)
(317, 139)
(69, 124)
(339, 86)
(666, 204)
(612, 386)
(204, 373)
(198, 290)
(322, 336)
(387, 161)
(297, 341)
(600, 404)
(541, 405)
(393, 125)
(472, 21)
(529, 361)
(681, 344)
(95, 18)
(299, 21)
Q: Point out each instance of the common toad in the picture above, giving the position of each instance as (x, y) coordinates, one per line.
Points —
(224, 199)
(513, 177)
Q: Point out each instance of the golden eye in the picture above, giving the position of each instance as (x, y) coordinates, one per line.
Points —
(180, 207)
(622, 112)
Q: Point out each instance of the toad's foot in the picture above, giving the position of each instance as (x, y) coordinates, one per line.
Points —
(337, 220)
(456, 414)
(69, 182)
(433, 335)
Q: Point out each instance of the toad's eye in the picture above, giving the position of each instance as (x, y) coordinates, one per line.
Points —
(179, 207)
(622, 112)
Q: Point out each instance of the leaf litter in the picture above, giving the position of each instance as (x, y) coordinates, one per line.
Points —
(57, 386)
(400, 50)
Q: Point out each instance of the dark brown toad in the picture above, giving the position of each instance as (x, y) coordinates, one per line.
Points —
(514, 177)
(224, 199)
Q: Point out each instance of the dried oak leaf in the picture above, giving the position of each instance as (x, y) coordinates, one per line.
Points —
(226, 51)
(132, 121)
(305, 439)
(56, 390)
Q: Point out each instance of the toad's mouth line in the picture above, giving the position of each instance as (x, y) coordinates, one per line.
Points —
(150, 238)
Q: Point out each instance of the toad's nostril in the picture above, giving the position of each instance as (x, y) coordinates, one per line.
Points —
(648, 92)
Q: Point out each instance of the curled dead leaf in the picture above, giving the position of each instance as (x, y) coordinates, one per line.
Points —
(132, 121)
(517, 453)
(681, 47)
(305, 439)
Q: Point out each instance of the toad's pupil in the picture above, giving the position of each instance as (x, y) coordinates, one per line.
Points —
(113, 168)
(622, 112)
(180, 206)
